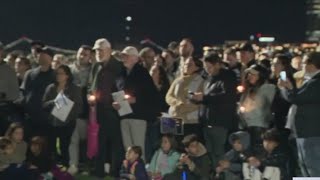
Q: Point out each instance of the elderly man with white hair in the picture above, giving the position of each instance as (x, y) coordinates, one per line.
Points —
(143, 97)
(102, 84)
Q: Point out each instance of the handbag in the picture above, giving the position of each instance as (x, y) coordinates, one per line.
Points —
(92, 133)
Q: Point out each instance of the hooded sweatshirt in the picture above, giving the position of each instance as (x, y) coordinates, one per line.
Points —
(237, 158)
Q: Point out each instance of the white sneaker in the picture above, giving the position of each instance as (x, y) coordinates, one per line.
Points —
(107, 168)
(73, 170)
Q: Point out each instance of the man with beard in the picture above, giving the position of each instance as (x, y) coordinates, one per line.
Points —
(103, 78)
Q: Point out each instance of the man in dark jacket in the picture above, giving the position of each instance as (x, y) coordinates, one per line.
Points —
(307, 99)
(142, 96)
(33, 88)
(103, 76)
(218, 110)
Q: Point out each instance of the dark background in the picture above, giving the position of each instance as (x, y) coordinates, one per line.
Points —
(70, 23)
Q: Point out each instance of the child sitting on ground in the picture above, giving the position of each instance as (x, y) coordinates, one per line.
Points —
(195, 165)
(271, 164)
(230, 168)
(165, 159)
(38, 157)
(15, 133)
(133, 167)
(6, 150)
(9, 167)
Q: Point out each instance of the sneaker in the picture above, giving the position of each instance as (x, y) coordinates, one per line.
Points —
(107, 168)
(85, 173)
(73, 170)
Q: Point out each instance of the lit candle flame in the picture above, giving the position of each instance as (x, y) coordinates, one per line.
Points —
(242, 109)
(92, 98)
(126, 96)
(240, 89)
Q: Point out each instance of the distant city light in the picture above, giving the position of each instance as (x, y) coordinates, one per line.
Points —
(128, 18)
(267, 39)
(128, 28)
(127, 38)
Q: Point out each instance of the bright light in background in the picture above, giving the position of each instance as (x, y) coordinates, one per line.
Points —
(267, 39)
(129, 18)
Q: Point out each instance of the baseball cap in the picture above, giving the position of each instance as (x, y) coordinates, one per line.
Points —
(101, 43)
(246, 47)
(46, 50)
(130, 51)
(37, 43)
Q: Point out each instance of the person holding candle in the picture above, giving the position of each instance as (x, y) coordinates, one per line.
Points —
(142, 95)
(255, 103)
(101, 85)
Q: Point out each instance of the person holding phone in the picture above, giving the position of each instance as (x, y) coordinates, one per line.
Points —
(180, 93)
(281, 69)
(218, 110)
(307, 100)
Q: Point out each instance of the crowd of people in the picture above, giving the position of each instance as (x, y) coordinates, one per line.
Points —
(249, 112)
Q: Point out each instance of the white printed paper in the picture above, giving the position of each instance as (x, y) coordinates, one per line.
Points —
(62, 108)
(125, 107)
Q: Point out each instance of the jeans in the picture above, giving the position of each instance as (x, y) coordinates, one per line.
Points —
(215, 138)
(79, 134)
(134, 133)
(152, 140)
(110, 148)
(309, 156)
(64, 134)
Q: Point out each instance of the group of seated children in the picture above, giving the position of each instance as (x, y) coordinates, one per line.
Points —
(17, 161)
(241, 162)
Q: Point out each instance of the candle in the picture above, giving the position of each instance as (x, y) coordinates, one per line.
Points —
(240, 89)
(92, 98)
(126, 96)
(242, 109)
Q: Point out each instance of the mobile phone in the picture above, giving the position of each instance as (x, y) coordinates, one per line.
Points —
(283, 75)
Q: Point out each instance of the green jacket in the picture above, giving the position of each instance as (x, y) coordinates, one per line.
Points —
(172, 160)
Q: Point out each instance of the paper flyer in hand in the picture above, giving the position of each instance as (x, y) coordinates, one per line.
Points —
(62, 108)
(125, 107)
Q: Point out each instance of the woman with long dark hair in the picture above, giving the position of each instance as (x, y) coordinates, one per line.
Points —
(161, 81)
(256, 101)
(281, 106)
(58, 128)
(179, 97)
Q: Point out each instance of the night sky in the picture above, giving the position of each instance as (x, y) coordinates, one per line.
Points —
(70, 23)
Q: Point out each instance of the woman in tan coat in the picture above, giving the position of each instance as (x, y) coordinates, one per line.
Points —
(178, 96)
